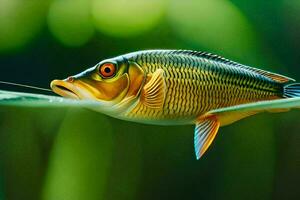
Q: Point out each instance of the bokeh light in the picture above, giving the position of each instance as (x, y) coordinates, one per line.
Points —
(214, 25)
(68, 153)
(70, 21)
(123, 18)
(20, 22)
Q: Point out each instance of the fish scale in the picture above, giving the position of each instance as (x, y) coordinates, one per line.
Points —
(197, 83)
(171, 87)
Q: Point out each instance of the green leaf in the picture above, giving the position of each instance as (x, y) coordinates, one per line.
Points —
(8, 98)
(262, 106)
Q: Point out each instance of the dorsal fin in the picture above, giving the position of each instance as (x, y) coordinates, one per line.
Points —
(275, 77)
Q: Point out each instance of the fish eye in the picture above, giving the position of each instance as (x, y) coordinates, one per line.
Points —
(107, 70)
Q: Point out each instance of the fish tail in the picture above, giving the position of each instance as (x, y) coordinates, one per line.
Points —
(291, 90)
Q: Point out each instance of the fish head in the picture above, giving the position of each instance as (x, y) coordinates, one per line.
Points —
(110, 82)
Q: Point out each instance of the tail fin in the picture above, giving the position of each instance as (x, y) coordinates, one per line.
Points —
(291, 90)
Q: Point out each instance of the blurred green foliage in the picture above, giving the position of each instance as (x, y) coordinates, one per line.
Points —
(77, 154)
(70, 21)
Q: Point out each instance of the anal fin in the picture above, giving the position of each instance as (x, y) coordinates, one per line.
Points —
(205, 131)
(207, 125)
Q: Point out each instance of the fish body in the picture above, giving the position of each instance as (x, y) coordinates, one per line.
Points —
(196, 83)
(171, 87)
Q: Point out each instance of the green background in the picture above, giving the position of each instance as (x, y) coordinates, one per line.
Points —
(77, 154)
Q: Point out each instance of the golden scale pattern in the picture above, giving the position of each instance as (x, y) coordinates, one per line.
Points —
(196, 85)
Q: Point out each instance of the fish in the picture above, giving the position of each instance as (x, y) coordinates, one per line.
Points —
(178, 87)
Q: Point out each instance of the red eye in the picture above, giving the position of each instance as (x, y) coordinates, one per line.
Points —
(107, 70)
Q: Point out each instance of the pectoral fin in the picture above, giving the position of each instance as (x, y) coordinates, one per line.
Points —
(153, 93)
(205, 131)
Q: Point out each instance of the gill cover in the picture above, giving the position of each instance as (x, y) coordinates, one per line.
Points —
(137, 79)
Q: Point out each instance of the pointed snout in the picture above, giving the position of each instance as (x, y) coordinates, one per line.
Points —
(64, 88)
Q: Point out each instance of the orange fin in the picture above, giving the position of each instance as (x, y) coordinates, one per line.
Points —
(205, 131)
(153, 93)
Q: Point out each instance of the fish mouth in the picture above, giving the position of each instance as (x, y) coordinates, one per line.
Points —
(64, 89)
